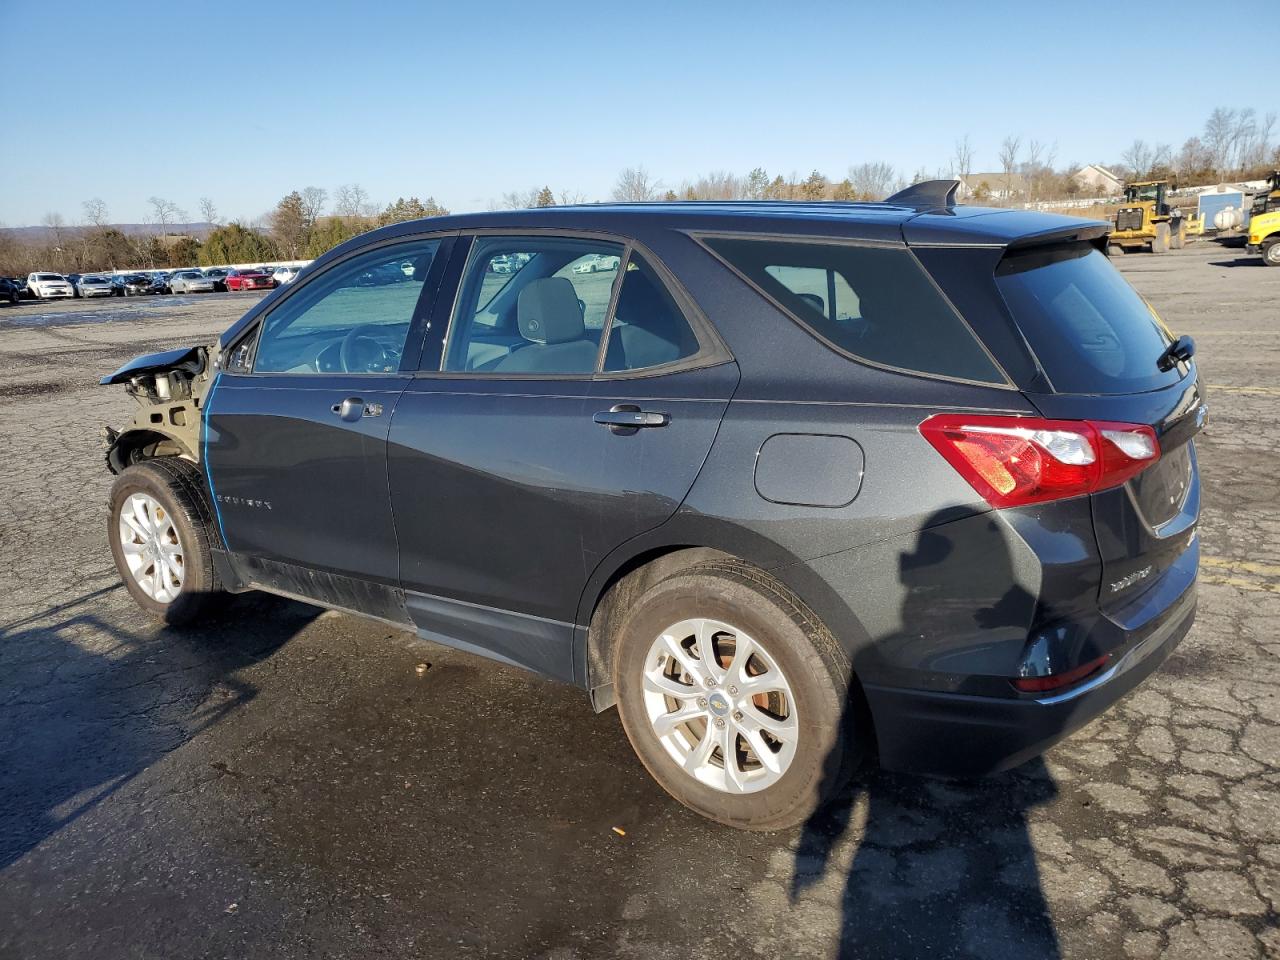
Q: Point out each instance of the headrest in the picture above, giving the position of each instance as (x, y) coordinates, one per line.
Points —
(548, 311)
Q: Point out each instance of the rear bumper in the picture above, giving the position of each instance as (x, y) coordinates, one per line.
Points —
(960, 735)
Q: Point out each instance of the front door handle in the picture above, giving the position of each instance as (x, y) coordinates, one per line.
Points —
(627, 418)
(350, 409)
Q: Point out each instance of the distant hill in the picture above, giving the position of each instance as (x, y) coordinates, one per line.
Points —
(42, 234)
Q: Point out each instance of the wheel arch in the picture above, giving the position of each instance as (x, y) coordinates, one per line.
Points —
(630, 570)
(145, 443)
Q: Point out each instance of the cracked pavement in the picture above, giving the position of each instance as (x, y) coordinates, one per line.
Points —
(287, 782)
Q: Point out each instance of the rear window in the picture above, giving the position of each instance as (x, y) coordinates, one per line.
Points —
(873, 303)
(1089, 329)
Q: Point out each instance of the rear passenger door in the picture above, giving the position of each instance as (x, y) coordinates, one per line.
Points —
(570, 409)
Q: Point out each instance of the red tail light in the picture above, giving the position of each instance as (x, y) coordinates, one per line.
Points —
(1057, 681)
(1014, 461)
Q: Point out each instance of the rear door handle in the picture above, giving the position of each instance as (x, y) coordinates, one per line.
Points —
(627, 418)
(350, 409)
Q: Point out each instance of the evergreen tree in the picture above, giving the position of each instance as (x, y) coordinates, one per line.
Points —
(844, 191)
(757, 185)
(545, 198)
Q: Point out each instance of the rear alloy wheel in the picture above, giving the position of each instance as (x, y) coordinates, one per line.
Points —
(735, 698)
(161, 533)
(1271, 253)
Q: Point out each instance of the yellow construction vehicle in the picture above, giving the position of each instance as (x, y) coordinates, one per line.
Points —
(1264, 223)
(1145, 221)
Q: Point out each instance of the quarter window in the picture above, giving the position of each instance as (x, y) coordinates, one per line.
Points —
(875, 303)
(353, 318)
(648, 329)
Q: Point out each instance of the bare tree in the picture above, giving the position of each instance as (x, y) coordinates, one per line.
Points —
(208, 211)
(635, 185)
(962, 159)
(95, 213)
(1009, 161)
(165, 213)
(1137, 159)
(518, 200)
(871, 181)
(570, 197)
(1219, 131)
(350, 200)
(313, 199)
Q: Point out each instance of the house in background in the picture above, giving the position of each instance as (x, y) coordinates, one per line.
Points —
(992, 186)
(1098, 181)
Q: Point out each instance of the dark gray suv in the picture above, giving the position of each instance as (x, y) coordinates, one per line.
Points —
(794, 485)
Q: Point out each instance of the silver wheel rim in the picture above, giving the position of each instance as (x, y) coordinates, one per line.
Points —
(151, 547)
(720, 706)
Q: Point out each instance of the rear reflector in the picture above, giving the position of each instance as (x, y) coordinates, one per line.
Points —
(1059, 680)
(1013, 461)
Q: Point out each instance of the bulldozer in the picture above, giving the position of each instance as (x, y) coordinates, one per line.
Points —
(1145, 221)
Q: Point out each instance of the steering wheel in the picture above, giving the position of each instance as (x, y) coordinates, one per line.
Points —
(350, 353)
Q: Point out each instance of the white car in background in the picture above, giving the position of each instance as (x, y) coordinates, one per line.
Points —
(94, 287)
(283, 275)
(191, 281)
(48, 286)
(595, 263)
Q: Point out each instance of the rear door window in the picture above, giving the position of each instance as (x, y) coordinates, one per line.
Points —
(1089, 329)
(873, 303)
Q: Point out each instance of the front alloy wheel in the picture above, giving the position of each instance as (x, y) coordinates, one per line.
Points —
(152, 548)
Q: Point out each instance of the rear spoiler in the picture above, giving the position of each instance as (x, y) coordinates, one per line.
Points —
(1089, 231)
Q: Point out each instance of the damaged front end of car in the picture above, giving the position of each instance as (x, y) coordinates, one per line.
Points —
(170, 389)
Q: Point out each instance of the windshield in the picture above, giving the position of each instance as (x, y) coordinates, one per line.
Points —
(49, 276)
(1089, 329)
(1148, 191)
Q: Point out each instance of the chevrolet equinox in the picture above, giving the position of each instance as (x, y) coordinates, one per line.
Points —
(793, 485)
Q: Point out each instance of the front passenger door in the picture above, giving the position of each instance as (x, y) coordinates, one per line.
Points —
(297, 426)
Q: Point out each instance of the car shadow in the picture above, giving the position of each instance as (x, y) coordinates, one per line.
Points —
(933, 867)
(87, 704)
(1238, 262)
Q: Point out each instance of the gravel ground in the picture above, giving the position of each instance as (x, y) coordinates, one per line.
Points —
(288, 783)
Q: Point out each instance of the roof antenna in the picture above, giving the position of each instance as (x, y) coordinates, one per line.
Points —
(927, 194)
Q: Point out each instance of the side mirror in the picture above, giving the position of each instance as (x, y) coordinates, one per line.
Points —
(1180, 351)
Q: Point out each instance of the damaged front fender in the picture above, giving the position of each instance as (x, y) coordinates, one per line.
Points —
(169, 389)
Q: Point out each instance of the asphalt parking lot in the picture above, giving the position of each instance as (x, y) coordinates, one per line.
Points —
(287, 782)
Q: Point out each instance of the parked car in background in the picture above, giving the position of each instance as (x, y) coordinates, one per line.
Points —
(10, 290)
(191, 281)
(811, 483)
(283, 275)
(160, 283)
(596, 264)
(49, 286)
(93, 287)
(255, 279)
(219, 277)
(74, 280)
(135, 285)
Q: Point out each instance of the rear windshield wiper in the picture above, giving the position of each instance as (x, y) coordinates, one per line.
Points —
(1180, 351)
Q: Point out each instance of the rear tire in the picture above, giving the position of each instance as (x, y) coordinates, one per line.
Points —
(163, 548)
(812, 700)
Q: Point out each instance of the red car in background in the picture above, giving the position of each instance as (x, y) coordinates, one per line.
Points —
(248, 280)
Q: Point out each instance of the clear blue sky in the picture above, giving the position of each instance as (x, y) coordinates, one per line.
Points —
(464, 101)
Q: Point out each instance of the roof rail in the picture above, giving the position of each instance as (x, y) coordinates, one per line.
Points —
(927, 194)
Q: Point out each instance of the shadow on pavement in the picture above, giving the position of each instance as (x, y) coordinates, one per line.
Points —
(938, 868)
(85, 705)
(1238, 262)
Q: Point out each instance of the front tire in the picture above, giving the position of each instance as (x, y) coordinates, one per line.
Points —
(1271, 252)
(162, 532)
(737, 700)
